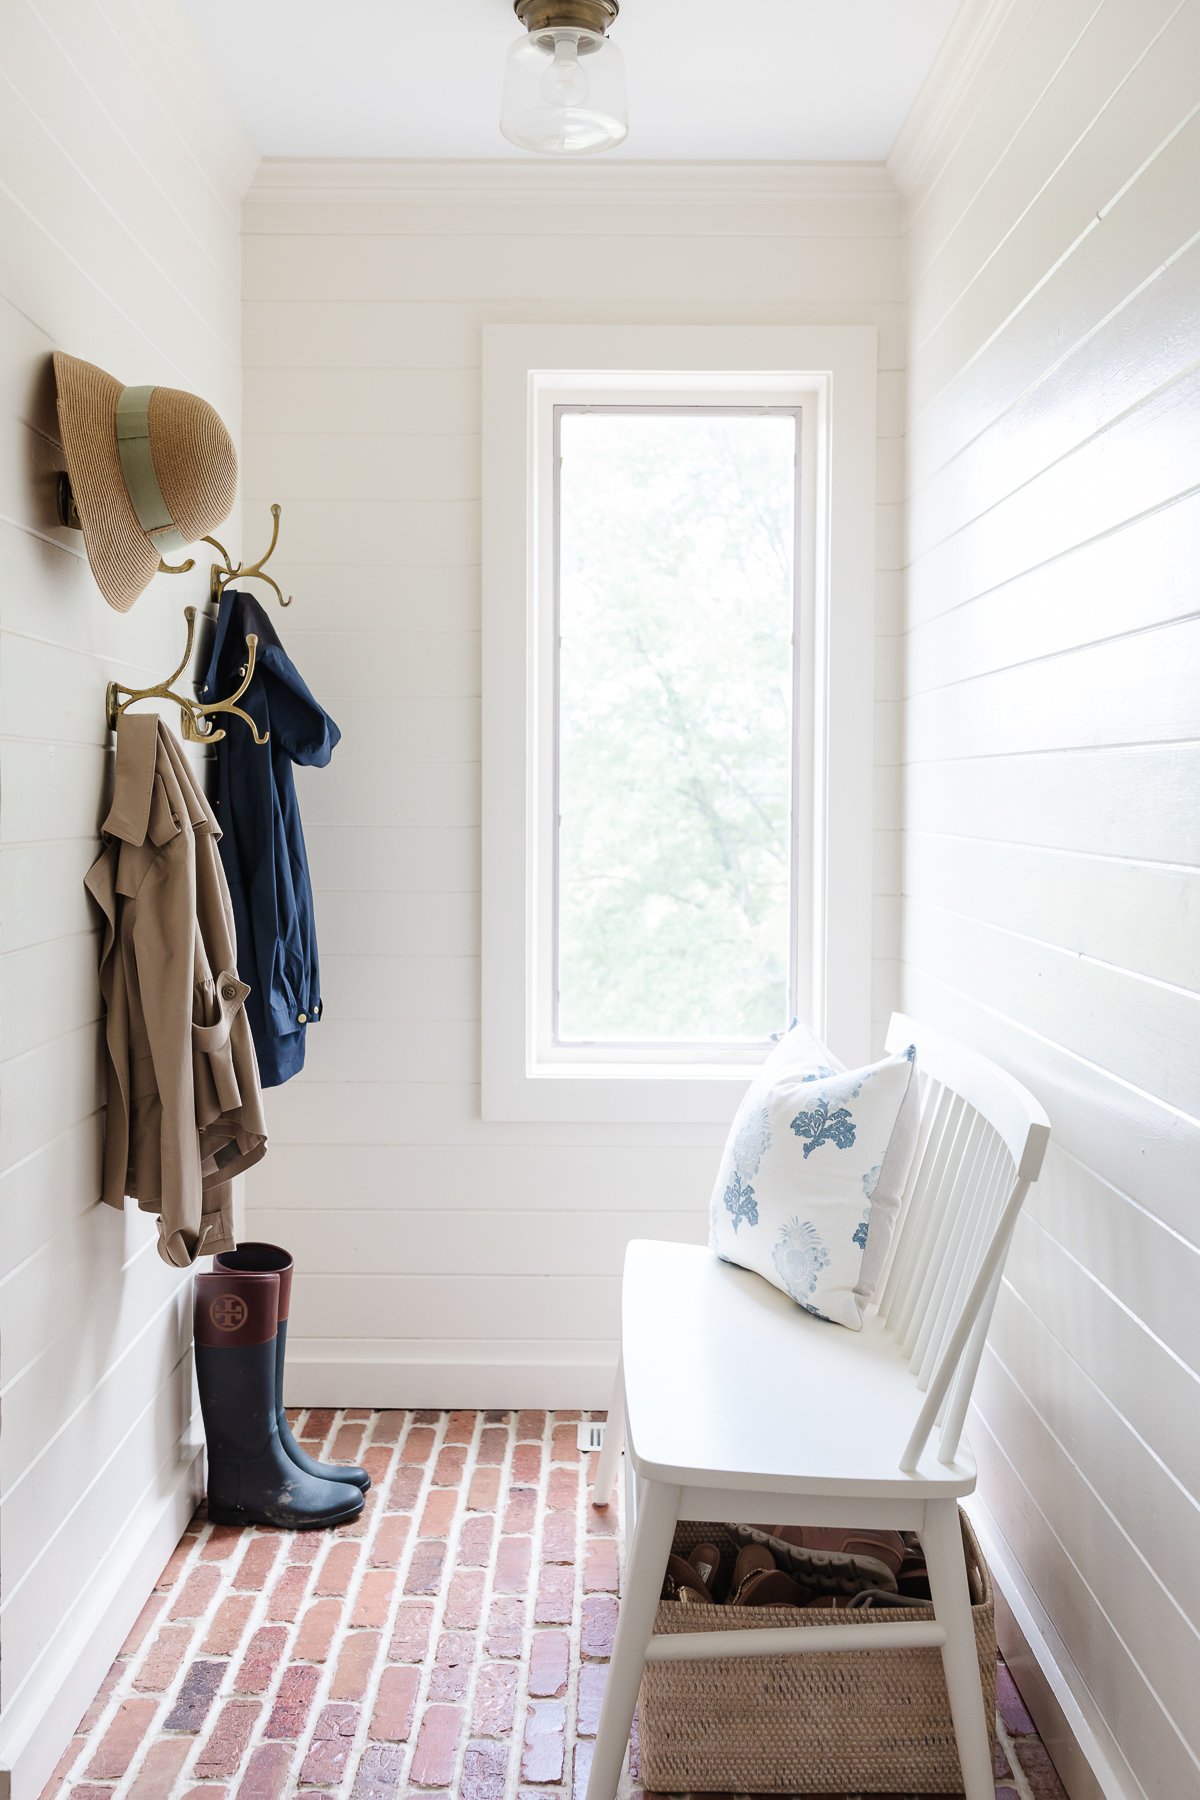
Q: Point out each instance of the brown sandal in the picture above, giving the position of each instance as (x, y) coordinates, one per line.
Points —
(752, 1559)
(692, 1574)
(770, 1587)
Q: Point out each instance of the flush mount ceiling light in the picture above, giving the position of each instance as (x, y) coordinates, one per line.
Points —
(564, 82)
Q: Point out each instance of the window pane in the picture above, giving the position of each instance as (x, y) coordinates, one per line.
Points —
(676, 595)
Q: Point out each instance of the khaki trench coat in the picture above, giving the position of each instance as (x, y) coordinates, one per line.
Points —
(184, 1113)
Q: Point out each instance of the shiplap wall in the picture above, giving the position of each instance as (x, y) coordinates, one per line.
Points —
(441, 1259)
(118, 242)
(1050, 906)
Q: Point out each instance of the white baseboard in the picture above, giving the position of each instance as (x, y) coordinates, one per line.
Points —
(1082, 1747)
(408, 1380)
(39, 1723)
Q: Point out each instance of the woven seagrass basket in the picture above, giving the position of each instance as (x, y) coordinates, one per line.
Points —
(865, 1722)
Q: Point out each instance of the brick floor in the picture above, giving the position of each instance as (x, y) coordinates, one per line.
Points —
(455, 1644)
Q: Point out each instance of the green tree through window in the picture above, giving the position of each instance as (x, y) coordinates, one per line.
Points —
(677, 582)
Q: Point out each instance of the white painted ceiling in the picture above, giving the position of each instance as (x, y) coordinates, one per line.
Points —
(824, 80)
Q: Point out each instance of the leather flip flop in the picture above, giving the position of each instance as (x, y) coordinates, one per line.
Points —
(693, 1573)
(752, 1559)
(770, 1587)
(680, 1574)
(706, 1560)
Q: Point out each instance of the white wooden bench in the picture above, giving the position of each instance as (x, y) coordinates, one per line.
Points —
(733, 1404)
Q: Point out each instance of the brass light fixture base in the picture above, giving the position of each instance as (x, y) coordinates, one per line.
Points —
(567, 15)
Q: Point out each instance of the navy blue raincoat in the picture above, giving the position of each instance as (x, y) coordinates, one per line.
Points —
(262, 842)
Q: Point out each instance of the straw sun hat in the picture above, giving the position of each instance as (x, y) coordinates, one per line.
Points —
(152, 469)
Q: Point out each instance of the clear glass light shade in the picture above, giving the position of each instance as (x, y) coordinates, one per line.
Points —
(564, 93)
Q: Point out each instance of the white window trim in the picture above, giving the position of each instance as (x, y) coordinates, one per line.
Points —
(830, 369)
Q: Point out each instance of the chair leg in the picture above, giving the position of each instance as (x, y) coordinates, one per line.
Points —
(657, 1512)
(942, 1542)
(614, 1439)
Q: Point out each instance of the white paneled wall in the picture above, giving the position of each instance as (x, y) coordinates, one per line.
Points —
(444, 1260)
(1051, 718)
(120, 177)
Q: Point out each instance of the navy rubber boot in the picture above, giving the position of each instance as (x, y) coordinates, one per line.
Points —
(272, 1258)
(251, 1478)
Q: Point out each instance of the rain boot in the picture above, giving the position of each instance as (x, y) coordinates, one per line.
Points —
(251, 1479)
(256, 1259)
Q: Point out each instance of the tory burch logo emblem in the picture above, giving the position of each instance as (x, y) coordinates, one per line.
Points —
(228, 1313)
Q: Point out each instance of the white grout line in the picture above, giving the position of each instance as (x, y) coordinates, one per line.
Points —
(528, 1626)
(257, 1619)
(1019, 1781)
(511, 1744)
(354, 1588)
(370, 1692)
(303, 1742)
(453, 1537)
(575, 1629)
(437, 1601)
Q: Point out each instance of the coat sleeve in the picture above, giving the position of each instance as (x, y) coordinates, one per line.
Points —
(164, 942)
(299, 722)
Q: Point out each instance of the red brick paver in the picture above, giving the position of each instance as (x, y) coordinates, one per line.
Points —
(161, 1664)
(453, 1641)
(395, 1705)
(158, 1772)
(120, 1743)
(356, 1662)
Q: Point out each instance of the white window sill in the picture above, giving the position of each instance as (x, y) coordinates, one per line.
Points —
(666, 1093)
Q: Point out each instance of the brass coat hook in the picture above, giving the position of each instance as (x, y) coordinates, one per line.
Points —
(222, 576)
(191, 713)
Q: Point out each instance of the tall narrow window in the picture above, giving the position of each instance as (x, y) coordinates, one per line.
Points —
(678, 595)
(675, 841)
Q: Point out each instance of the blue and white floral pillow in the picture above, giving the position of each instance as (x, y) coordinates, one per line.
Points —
(812, 1175)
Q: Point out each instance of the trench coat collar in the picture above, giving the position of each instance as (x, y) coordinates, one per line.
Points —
(143, 806)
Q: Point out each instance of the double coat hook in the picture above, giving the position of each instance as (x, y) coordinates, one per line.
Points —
(222, 573)
(193, 716)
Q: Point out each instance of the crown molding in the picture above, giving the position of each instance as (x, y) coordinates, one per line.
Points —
(964, 51)
(346, 180)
